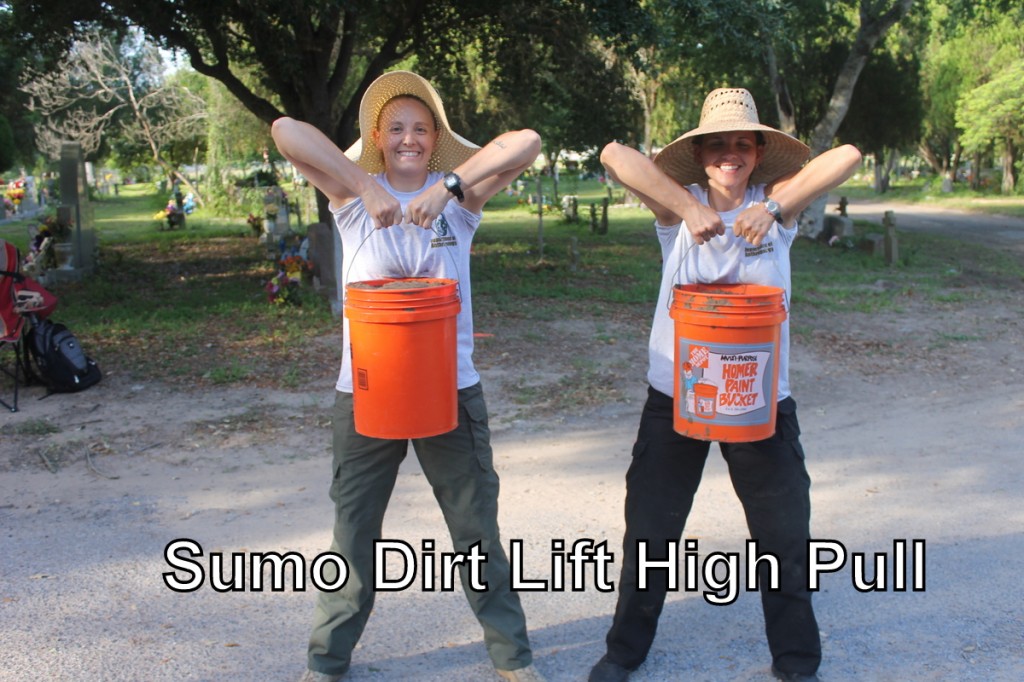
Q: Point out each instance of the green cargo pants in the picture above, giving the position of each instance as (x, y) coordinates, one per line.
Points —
(459, 467)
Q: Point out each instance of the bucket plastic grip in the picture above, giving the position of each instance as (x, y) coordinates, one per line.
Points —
(458, 277)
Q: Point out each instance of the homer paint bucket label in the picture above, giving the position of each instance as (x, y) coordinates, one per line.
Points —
(726, 360)
(729, 383)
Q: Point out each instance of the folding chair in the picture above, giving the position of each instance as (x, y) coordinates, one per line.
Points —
(19, 296)
(11, 323)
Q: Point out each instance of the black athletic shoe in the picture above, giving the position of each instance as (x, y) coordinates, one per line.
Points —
(606, 671)
(794, 677)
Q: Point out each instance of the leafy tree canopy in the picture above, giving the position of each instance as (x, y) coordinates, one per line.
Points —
(886, 110)
(312, 59)
(994, 111)
(7, 149)
(19, 148)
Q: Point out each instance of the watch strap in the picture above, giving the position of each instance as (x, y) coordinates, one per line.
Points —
(774, 209)
(453, 183)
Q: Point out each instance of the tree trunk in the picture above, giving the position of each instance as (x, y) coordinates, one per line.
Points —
(812, 220)
(540, 218)
(938, 165)
(881, 183)
(553, 165)
(872, 29)
(885, 166)
(975, 171)
(648, 99)
(1009, 161)
(783, 102)
(955, 164)
(174, 173)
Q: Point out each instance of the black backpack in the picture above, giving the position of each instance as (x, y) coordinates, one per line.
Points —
(56, 359)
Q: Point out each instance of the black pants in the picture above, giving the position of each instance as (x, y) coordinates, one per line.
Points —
(771, 481)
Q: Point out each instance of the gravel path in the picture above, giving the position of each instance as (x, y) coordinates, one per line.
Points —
(896, 454)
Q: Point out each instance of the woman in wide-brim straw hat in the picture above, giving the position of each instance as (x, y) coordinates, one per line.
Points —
(725, 197)
(450, 149)
(727, 110)
(410, 169)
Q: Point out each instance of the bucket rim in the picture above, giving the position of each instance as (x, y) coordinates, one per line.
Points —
(729, 289)
(377, 284)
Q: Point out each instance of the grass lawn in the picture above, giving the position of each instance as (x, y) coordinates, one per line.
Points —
(188, 306)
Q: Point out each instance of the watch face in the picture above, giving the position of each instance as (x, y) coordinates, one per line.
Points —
(453, 183)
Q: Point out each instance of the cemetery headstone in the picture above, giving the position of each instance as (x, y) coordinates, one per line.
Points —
(276, 223)
(892, 249)
(74, 200)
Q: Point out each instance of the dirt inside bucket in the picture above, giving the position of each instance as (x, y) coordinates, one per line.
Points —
(395, 284)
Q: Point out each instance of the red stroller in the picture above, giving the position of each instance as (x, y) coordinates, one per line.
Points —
(20, 297)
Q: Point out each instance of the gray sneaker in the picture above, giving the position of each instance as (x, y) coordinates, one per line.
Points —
(314, 676)
(527, 674)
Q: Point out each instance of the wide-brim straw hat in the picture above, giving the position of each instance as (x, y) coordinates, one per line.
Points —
(728, 110)
(450, 150)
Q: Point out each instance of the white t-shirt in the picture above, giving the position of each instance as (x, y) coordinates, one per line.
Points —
(410, 251)
(726, 259)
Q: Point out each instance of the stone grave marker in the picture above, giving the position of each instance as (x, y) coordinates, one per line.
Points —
(75, 206)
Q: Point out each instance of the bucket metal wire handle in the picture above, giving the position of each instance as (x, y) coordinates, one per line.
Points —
(455, 264)
(679, 267)
(682, 257)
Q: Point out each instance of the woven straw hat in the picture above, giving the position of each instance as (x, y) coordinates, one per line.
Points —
(451, 149)
(729, 110)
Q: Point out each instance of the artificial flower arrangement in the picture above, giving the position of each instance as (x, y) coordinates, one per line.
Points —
(283, 290)
(170, 214)
(255, 224)
(16, 191)
(52, 226)
(14, 195)
(295, 267)
(40, 254)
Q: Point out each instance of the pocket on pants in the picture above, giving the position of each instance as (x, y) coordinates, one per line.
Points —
(788, 428)
(786, 424)
(639, 448)
(479, 431)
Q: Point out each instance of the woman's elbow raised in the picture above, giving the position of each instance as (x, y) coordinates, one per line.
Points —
(530, 139)
(852, 154)
(610, 152)
(280, 126)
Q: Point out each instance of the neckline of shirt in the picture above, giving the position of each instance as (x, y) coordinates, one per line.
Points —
(399, 194)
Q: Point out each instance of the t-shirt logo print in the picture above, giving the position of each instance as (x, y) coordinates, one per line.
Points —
(441, 226)
(443, 236)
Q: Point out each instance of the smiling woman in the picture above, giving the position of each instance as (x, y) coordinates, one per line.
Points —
(405, 170)
(724, 196)
(406, 133)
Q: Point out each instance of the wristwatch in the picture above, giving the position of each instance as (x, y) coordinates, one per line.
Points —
(453, 183)
(773, 207)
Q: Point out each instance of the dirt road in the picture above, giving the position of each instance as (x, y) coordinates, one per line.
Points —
(996, 230)
(908, 439)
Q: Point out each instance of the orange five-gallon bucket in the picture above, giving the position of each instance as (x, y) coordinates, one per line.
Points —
(726, 360)
(404, 356)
